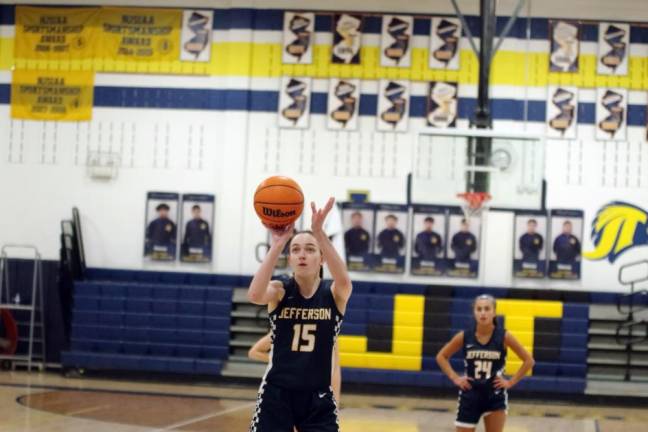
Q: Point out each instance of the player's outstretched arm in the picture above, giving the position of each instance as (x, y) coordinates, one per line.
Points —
(260, 350)
(262, 291)
(443, 360)
(341, 280)
(527, 362)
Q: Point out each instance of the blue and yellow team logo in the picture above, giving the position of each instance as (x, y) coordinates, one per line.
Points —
(618, 227)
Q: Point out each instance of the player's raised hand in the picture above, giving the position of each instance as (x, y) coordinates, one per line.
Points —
(282, 235)
(319, 216)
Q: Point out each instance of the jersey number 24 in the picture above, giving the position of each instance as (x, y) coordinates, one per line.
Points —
(483, 369)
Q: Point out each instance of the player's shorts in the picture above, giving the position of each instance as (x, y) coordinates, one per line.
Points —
(479, 401)
(283, 410)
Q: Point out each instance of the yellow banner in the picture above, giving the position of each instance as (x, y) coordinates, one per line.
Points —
(52, 95)
(55, 33)
(133, 34)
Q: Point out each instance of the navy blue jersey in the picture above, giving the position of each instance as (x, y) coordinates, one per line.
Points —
(303, 334)
(197, 234)
(484, 362)
(463, 244)
(428, 245)
(390, 242)
(531, 245)
(567, 248)
(160, 232)
(356, 241)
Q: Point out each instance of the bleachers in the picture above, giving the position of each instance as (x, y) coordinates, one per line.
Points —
(384, 343)
(150, 321)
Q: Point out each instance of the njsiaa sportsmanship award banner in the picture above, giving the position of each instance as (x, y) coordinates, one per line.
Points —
(52, 95)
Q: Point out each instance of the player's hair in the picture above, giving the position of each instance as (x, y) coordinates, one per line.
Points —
(295, 233)
(195, 207)
(486, 297)
(391, 216)
(429, 219)
(567, 222)
(532, 220)
(464, 221)
(356, 213)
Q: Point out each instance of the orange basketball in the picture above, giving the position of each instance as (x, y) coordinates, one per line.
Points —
(278, 201)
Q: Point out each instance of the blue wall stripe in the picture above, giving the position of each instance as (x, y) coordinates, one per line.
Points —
(7, 14)
(267, 101)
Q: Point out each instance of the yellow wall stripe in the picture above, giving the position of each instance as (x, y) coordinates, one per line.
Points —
(513, 68)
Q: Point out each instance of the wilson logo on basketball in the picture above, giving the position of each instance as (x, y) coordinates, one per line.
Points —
(277, 212)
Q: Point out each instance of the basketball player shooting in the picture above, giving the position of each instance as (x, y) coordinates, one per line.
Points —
(305, 315)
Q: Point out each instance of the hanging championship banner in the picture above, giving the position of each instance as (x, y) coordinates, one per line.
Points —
(463, 245)
(343, 104)
(347, 39)
(445, 35)
(52, 95)
(391, 241)
(562, 112)
(429, 233)
(358, 223)
(564, 39)
(294, 102)
(197, 216)
(396, 40)
(393, 106)
(566, 235)
(196, 35)
(160, 237)
(298, 32)
(613, 49)
(55, 33)
(140, 35)
(442, 105)
(611, 114)
(529, 260)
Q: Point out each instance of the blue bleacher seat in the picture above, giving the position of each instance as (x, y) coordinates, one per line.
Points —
(86, 303)
(164, 306)
(169, 292)
(213, 308)
(381, 317)
(221, 294)
(161, 349)
(110, 318)
(191, 307)
(192, 293)
(354, 329)
(207, 367)
(135, 348)
(192, 351)
(138, 306)
(139, 291)
(190, 322)
(111, 304)
(112, 290)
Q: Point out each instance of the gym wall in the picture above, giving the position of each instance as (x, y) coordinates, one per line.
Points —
(218, 134)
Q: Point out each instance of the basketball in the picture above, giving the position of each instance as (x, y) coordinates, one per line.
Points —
(278, 201)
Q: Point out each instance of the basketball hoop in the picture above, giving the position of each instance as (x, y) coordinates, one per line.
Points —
(474, 202)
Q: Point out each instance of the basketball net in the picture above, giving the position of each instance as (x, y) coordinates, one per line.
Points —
(474, 203)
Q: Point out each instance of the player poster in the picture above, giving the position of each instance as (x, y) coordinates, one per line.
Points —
(393, 106)
(358, 226)
(566, 243)
(161, 230)
(613, 49)
(298, 33)
(196, 35)
(197, 231)
(529, 258)
(390, 235)
(428, 240)
(462, 246)
(442, 103)
(562, 112)
(396, 41)
(564, 42)
(611, 114)
(294, 102)
(347, 39)
(343, 104)
(445, 36)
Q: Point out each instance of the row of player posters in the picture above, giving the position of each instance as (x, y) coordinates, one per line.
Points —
(164, 212)
(442, 242)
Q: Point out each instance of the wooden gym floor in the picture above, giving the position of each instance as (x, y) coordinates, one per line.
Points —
(50, 403)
